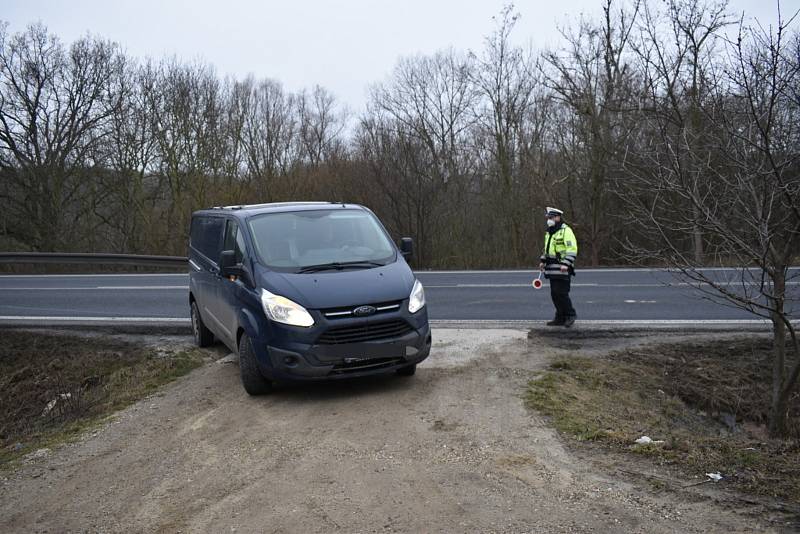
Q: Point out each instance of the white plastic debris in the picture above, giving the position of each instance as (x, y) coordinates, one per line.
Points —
(644, 440)
(230, 358)
(52, 403)
(50, 406)
(716, 477)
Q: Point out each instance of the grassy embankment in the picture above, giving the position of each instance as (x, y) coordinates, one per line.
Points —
(707, 403)
(54, 387)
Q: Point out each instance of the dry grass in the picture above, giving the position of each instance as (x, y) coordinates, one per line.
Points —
(708, 403)
(87, 377)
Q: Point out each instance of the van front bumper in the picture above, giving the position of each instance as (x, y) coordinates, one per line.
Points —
(293, 354)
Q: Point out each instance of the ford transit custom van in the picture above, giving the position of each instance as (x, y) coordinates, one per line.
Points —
(305, 291)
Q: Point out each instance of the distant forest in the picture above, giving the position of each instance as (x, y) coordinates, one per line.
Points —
(660, 128)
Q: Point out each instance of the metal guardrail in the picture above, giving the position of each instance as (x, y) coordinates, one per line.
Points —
(56, 258)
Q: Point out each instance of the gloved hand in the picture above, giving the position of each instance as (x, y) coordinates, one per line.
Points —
(541, 266)
(564, 268)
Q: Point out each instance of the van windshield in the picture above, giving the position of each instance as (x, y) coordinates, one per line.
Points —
(294, 241)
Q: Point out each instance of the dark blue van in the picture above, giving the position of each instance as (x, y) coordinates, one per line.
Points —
(305, 291)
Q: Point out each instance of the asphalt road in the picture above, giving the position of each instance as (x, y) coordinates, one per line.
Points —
(598, 295)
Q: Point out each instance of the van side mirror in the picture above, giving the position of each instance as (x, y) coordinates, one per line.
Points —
(407, 247)
(227, 264)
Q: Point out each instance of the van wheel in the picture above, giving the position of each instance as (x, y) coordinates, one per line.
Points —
(408, 370)
(202, 335)
(253, 381)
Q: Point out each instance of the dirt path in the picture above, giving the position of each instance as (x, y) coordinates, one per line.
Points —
(452, 449)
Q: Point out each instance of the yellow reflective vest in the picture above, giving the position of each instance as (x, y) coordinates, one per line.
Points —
(560, 248)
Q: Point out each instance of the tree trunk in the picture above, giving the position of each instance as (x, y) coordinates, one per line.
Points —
(779, 406)
(698, 239)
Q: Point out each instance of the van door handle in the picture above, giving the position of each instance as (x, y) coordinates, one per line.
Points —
(214, 270)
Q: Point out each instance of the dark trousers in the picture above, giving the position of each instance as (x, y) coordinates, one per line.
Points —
(559, 292)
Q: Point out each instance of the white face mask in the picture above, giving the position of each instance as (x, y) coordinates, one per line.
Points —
(551, 222)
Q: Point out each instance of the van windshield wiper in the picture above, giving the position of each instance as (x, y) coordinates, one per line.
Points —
(338, 265)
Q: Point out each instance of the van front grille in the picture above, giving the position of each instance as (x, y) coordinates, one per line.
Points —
(365, 332)
(348, 312)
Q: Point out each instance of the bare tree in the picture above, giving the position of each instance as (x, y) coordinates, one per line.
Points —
(640, 103)
(676, 66)
(432, 98)
(130, 152)
(506, 80)
(187, 126)
(269, 135)
(320, 125)
(593, 79)
(428, 103)
(53, 104)
(746, 193)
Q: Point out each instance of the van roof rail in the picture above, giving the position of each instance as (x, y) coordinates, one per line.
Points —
(276, 204)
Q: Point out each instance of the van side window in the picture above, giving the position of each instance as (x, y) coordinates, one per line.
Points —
(206, 236)
(235, 241)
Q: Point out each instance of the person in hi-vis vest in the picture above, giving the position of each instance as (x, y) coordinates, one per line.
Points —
(558, 265)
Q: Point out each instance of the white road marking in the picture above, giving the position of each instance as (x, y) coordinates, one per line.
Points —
(535, 270)
(88, 288)
(427, 286)
(142, 287)
(43, 288)
(532, 270)
(527, 271)
(460, 286)
(655, 323)
(88, 275)
(435, 322)
(598, 270)
(95, 319)
(664, 285)
(456, 286)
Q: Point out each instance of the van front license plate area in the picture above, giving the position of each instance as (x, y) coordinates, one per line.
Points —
(358, 360)
(356, 352)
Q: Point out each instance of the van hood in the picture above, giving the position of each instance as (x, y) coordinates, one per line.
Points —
(348, 287)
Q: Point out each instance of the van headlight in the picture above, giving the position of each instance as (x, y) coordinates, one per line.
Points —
(282, 310)
(416, 301)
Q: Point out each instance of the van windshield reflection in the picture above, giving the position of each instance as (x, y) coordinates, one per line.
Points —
(318, 240)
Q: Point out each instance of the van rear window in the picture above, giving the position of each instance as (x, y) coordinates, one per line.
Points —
(206, 236)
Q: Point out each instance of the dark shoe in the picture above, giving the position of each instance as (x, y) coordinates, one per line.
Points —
(569, 321)
(555, 322)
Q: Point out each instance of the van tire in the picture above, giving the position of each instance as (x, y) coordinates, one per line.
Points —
(408, 370)
(202, 335)
(253, 381)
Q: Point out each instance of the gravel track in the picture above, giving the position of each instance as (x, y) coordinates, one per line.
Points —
(452, 449)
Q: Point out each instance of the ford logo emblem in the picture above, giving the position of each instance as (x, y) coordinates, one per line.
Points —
(363, 311)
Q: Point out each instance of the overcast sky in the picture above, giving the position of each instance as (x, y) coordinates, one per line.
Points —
(342, 45)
